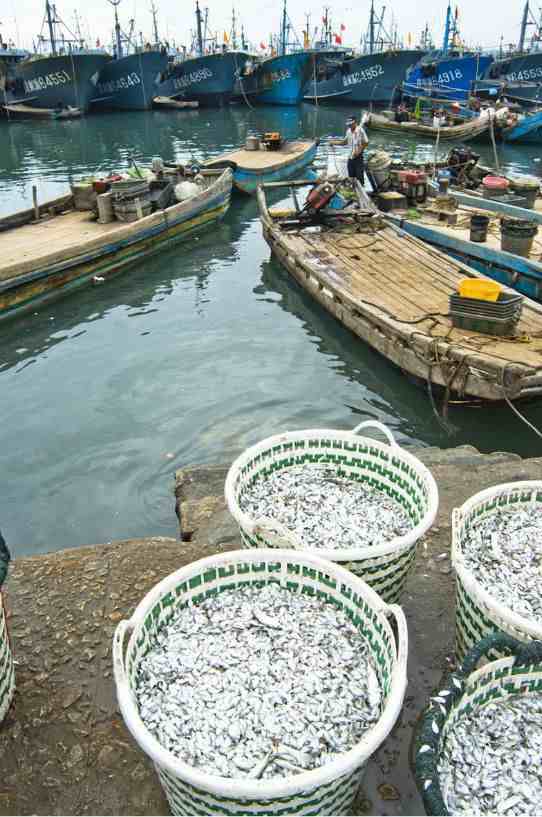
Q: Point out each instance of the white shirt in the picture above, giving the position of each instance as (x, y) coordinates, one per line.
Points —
(356, 139)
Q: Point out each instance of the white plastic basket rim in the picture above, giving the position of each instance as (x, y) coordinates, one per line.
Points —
(263, 790)
(466, 576)
(345, 554)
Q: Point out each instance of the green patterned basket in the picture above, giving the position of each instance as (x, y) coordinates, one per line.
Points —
(465, 691)
(477, 613)
(7, 670)
(327, 790)
(387, 468)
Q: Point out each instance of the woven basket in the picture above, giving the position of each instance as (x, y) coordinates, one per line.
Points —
(467, 690)
(387, 468)
(7, 670)
(477, 613)
(327, 790)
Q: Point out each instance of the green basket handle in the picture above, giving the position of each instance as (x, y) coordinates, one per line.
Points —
(5, 557)
(427, 742)
(381, 427)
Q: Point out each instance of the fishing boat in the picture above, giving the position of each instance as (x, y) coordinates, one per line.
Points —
(392, 290)
(10, 57)
(526, 130)
(450, 232)
(369, 78)
(448, 73)
(254, 167)
(64, 78)
(130, 80)
(207, 78)
(20, 111)
(521, 70)
(54, 248)
(464, 132)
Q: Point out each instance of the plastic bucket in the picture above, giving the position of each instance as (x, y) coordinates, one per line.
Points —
(384, 467)
(517, 236)
(494, 186)
(465, 691)
(478, 228)
(528, 188)
(7, 669)
(477, 613)
(330, 789)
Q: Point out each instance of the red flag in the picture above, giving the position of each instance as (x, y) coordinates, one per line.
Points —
(343, 27)
(324, 20)
(263, 46)
(338, 39)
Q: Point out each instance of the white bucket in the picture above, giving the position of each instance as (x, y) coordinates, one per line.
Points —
(478, 614)
(388, 468)
(330, 789)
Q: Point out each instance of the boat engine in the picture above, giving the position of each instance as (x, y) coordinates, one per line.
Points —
(462, 163)
(318, 198)
(272, 141)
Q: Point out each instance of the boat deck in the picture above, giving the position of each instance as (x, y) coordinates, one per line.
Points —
(263, 160)
(22, 248)
(408, 281)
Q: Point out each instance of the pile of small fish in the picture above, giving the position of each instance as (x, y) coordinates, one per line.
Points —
(504, 552)
(490, 760)
(258, 683)
(325, 510)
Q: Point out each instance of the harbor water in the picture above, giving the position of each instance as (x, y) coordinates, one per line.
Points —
(188, 357)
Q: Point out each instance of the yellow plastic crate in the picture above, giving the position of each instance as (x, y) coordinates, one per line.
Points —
(479, 288)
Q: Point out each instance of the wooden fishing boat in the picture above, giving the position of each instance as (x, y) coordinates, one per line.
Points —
(528, 129)
(392, 290)
(465, 132)
(175, 104)
(65, 248)
(21, 111)
(450, 232)
(254, 167)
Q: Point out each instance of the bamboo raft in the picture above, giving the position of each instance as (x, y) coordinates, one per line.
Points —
(392, 291)
(466, 132)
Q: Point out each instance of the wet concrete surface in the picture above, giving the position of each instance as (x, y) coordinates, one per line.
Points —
(63, 746)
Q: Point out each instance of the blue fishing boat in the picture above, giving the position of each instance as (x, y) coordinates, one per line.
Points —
(448, 73)
(10, 57)
(130, 80)
(254, 167)
(522, 274)
(371, 77)
(65, 78)
(528, 129)
(205, 78)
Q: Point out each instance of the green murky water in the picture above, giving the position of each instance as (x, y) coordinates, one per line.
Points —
(189, 357)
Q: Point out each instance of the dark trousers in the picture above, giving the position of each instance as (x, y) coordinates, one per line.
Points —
(356, 169)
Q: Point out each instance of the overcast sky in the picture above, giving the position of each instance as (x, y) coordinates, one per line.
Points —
(481, 21)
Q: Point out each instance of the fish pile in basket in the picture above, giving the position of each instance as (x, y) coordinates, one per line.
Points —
(491, 759)
(258, 683)
(504, 551)
(325, 510)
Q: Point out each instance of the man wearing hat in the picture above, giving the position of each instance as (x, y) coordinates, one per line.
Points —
(356, 139)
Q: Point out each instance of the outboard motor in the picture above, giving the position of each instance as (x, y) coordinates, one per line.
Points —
(318, 198)
(462, 162)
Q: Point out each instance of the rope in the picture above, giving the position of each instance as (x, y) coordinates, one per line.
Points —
(516, 411)
(241, 83)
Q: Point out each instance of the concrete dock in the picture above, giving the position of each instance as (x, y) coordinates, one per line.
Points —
(63, 745)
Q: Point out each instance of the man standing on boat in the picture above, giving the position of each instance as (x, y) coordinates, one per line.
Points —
(356, 139)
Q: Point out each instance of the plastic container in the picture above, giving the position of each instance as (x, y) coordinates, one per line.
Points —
(479, 288)
(477, 613)
(378, 165)
(252, 143)
(478, 228)
(467, 690)
(330, 789)
(385, 467)
(527, 187)
(507, 305)
(7, 668)
(499, 327)
(517, 236)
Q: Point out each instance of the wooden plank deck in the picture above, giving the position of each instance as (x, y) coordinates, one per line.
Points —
(263, 159)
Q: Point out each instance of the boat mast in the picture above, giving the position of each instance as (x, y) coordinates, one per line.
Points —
(50, 23)
(118, 38)
(200, 37)
(233, 37)
(446, 42)
(524, 22)
(154, 24)
(243, 40)
(284, 30)
(372, 29)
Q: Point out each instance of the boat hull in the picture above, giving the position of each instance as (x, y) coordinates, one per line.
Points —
(66, 80)
(208, 80)
(247, 181)
(281, 80)
(446, 77)
(131, 82)
(372, 78)
(147, 237)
